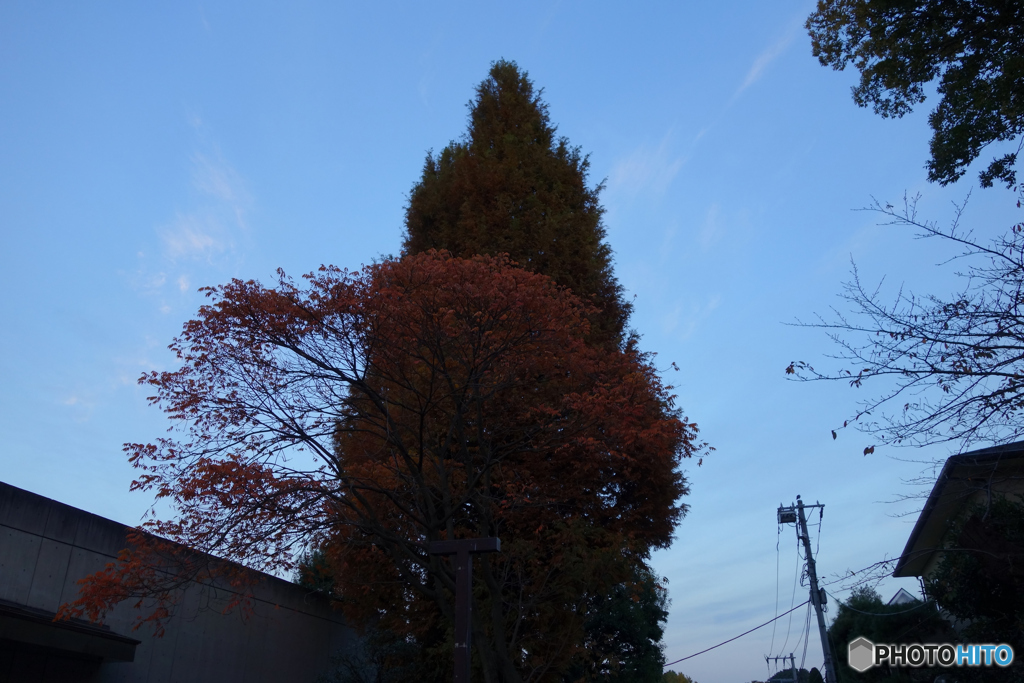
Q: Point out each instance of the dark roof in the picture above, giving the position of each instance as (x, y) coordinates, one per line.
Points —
(960, 476)
(24, 624)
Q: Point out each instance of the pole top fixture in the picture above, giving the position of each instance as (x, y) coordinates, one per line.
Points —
(469, 545)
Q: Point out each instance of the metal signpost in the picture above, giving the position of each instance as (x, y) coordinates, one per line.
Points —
(463, 550)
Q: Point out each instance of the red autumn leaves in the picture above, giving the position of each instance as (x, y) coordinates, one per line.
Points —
(420, 399)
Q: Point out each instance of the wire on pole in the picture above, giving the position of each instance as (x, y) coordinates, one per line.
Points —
(739, 636)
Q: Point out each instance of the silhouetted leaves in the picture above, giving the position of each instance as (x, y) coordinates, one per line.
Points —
(974, 49)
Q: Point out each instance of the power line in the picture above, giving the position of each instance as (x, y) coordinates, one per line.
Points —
(800, 634)
(807, 635)
(796, 576)
(739, 636)
(817, 542)
(778, 555)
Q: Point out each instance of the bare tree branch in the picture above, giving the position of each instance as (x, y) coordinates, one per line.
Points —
(949, 370)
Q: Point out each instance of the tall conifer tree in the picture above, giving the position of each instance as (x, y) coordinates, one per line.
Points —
(512, 186)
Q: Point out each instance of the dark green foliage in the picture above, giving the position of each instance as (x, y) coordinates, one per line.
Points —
(379, 656)
(980, 579)
(314, 572)
(802, 676)
(624, 631)
(511, 186)
(675, 677)
(975, 48)
(864, 614)
(382, 658)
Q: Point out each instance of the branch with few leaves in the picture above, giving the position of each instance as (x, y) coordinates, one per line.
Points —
(949, 369)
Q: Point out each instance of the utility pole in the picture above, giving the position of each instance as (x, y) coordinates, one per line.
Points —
(463, 550)
(795, 513)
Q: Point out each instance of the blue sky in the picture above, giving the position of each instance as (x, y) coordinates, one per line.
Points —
(147, 151)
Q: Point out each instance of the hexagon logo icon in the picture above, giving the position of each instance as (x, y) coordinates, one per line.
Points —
(861, 654)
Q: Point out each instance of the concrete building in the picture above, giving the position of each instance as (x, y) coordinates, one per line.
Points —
(46, 547)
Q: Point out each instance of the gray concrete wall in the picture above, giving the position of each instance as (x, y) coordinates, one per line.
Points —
(46, 547)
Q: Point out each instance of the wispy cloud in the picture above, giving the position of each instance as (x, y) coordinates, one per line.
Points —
(647, 169)
(684, 319)
(428, 66)
(143, 279)
(423, 87)
(769, 55)
(80, 406)
(193, 236)
(141, 359)
(711, 229)
(212, 227)
(544, 25)
(203, 237)
(216, 178)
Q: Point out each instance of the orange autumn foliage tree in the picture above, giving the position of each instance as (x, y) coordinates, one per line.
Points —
(417, 400)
